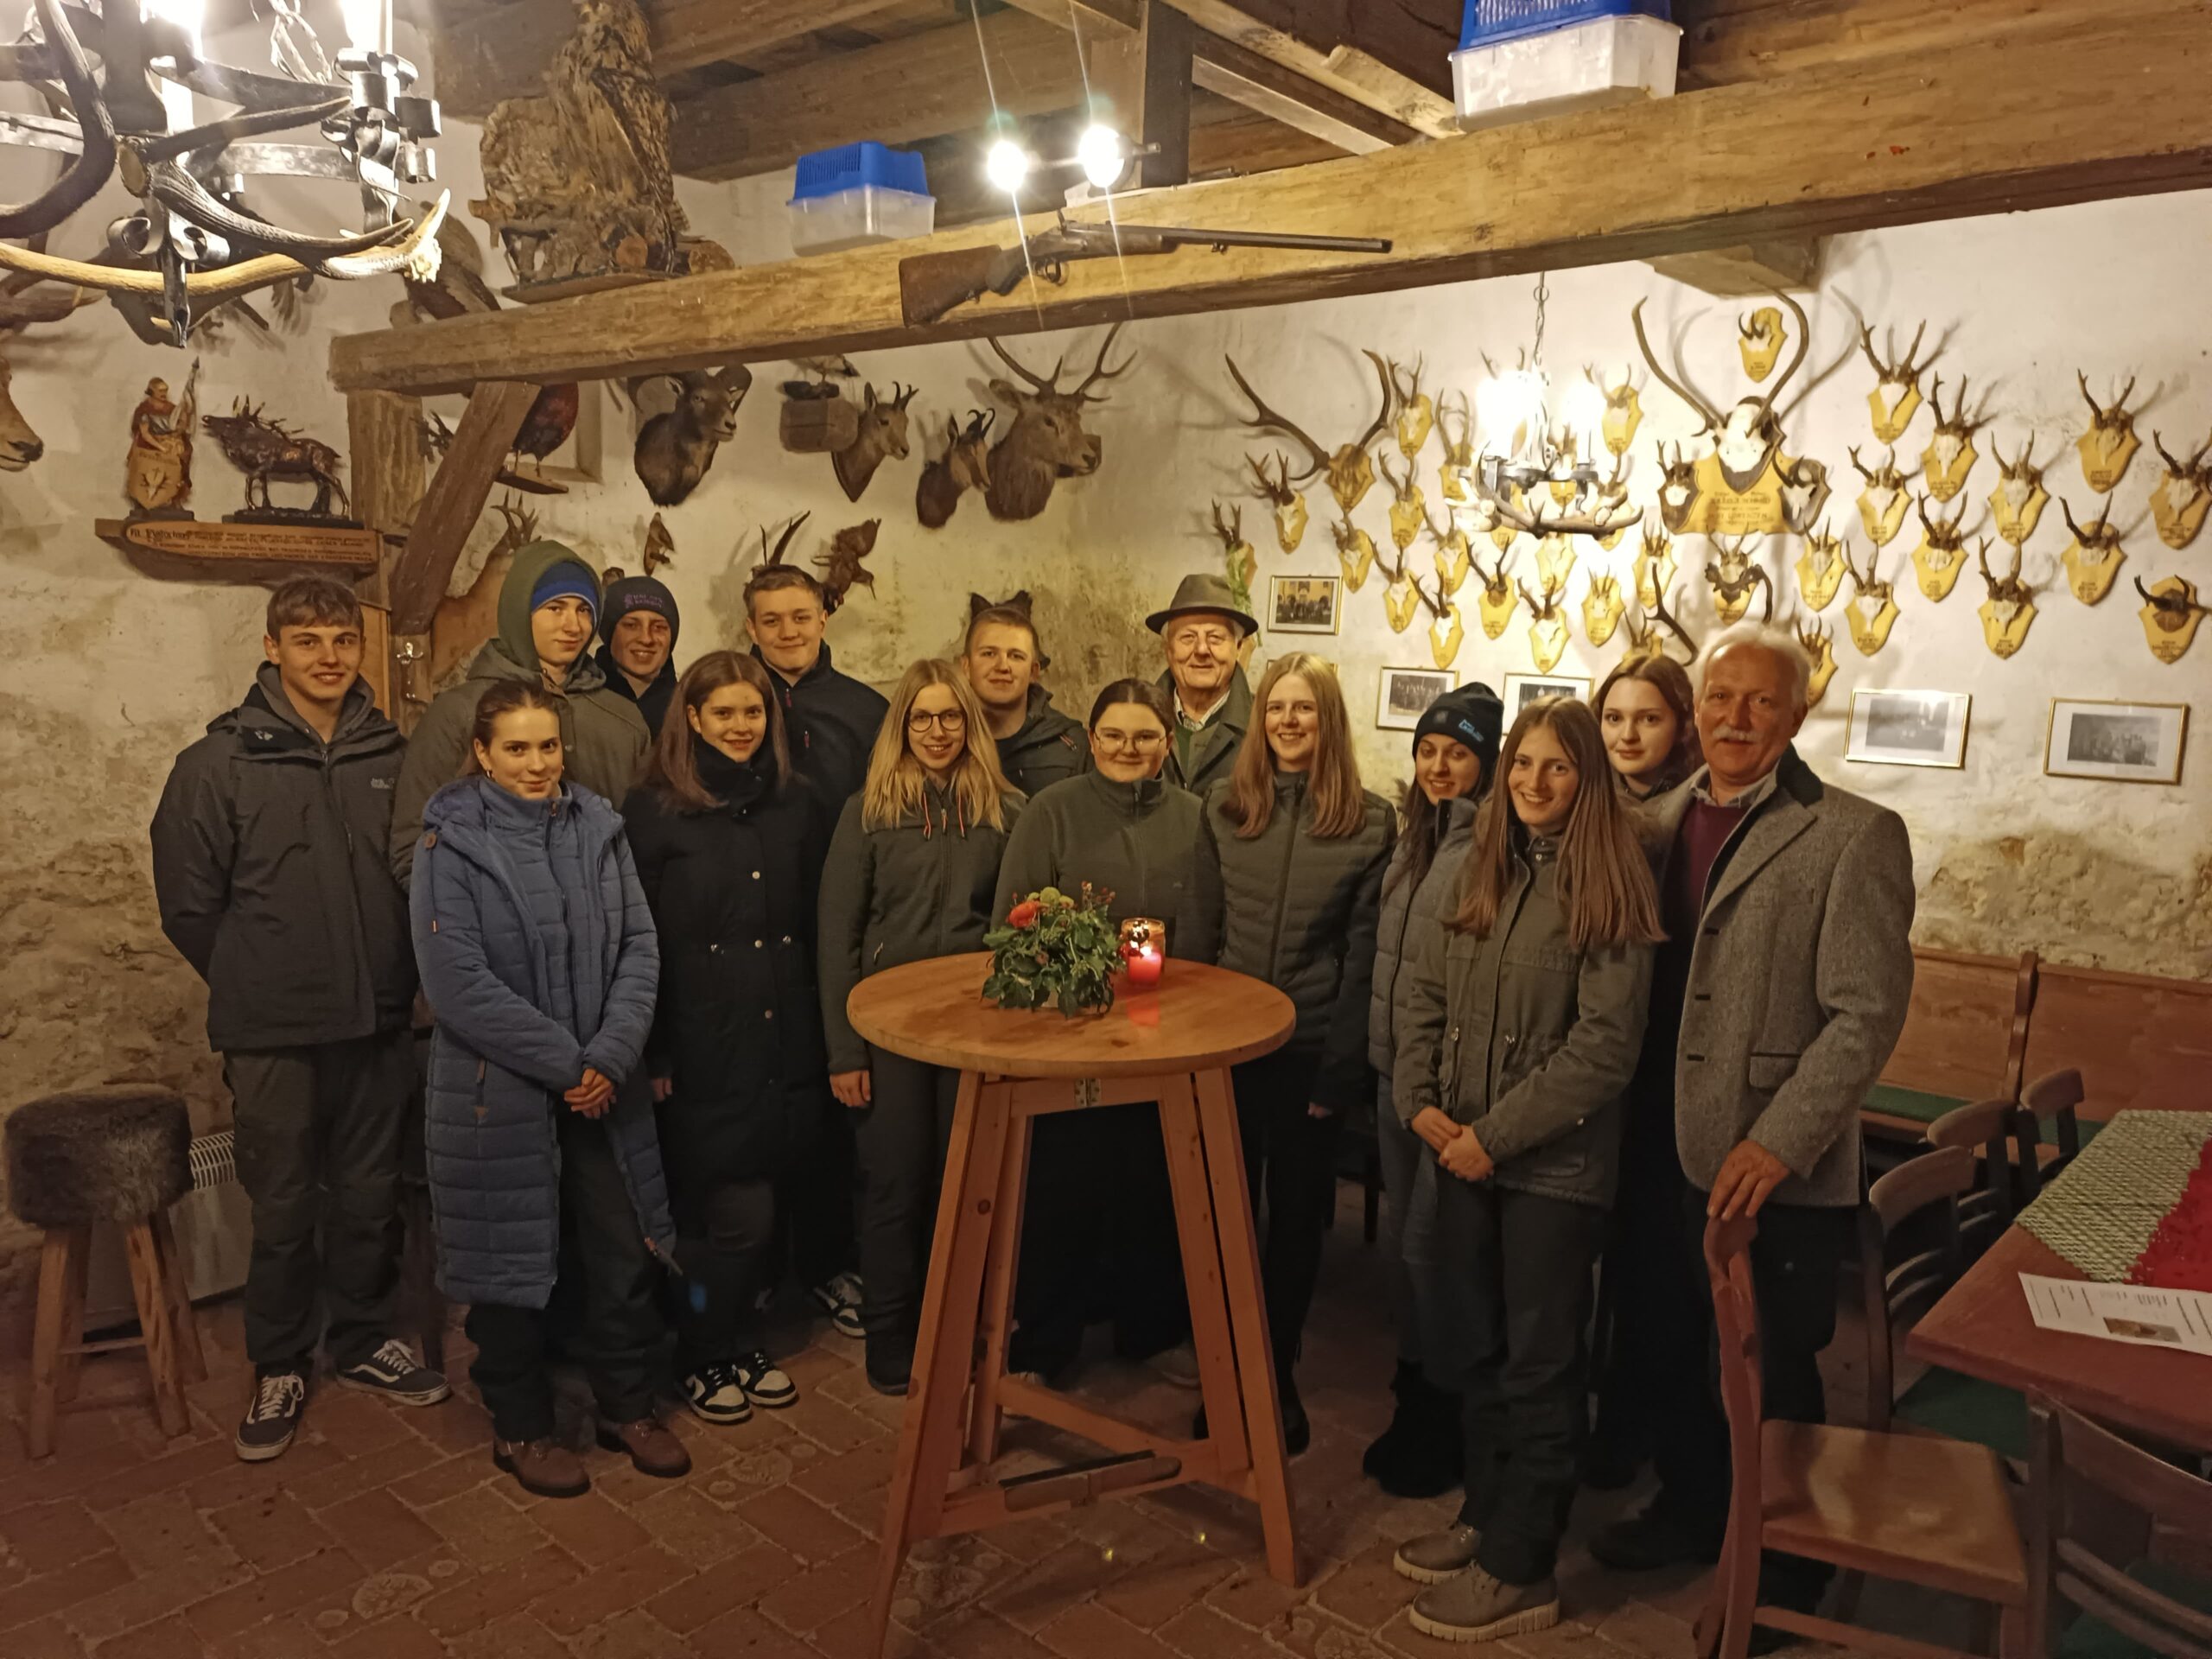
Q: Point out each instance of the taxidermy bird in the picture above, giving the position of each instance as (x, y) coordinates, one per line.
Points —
(614, 107)
(841, 566)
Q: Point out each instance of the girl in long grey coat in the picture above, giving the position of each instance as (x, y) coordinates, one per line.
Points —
(1519, 1030)
(540, 962)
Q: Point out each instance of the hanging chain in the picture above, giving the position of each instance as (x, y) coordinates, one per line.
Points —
(1543, 294)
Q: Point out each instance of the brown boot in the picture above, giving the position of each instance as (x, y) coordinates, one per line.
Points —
(546, 1467)
(651, 1446)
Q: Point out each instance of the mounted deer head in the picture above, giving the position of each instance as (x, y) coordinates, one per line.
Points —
(1496, 605)
(2169, 615)
(1289, 504)
(1046, 441)
(1408, 508)
(1354, 553)
(1883, 502)
(676, 448)
(1747, 437)
(2010, 608)
(1819, 568)
(2182, 495)
(1758, 338)
(1941, 553)
(20, 308)
(1678, 488)
(1547, 627)
(1655, 567)
(840, 567)
(1819, 645)
(1624, 410)
(1350, 470)
(2092, 558)
(2016, 504)
(1416, 415)
(1804, 492)
(1734, 575)
(1950, 453)
(1237, 552)
(966, 465)
(881, 436)
(782, 541)
(1871, 610)
(2110, 443)
(1458, 451)
(1896, 397)
(1454, 554)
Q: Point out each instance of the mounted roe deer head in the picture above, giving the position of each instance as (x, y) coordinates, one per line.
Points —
(1758, 338)
(881, 436)
(1458, 451)
(2092, 557)
(1950, 455)
(676, 448)
(1883, 502)
(1453, 555)
(1678, 488)
(1941, 553)
(1497, 600)
(1871, 610)
(1547, 627)
(1734, 575)
(1046, 441)
(1602, 606)
(1408, 508)
(1236, 552)
(2011, 607)
(2183, 493)
(2016, 504)
(1655, 567)
(1350, 469)
(1819, 568)
(1289, 504)
(2110, 443)
(1354, 553)
(1624, 410)
(1820, 645)
(2169, 615)
(966, 465)
(1416, 414)
(1896, 397)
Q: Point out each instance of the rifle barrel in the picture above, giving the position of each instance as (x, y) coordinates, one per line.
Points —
(1257, 238)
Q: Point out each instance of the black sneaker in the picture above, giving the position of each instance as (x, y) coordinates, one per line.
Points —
(392, 1371)
(1653, 1538)
(764, 1381)
(890, 1364)
(272, 1416)
(840, 1298)
(715, 1394)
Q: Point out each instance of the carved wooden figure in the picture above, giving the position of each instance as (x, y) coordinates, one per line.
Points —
(1883, 502)
(1819, 568)
(1950, 455)
(2110, 443)
(1941, 553)
(2016, 505)
(1236, 553)
(2092, 557)
(1758, 338)
(1896, 397)
(2183, 492)
(1453, 555)
(1602, 607)
(1496, 604)
(1287, 501)
(2010, 609)
(2169, 615)
(1458, 466)
(1416, 414)
(1409, 507)
(1354, 553)
(1350, 469)
(881, 436)
(1547, 627)
(1819, 645)
(966, 465)
(1871, 610)
(1046, 441)
(676, 447)
(1734, 575)
(157, 476)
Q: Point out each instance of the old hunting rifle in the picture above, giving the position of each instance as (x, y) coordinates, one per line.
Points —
(930, 284)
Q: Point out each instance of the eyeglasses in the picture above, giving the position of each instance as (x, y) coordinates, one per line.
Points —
(951, 720)
(1137, 741)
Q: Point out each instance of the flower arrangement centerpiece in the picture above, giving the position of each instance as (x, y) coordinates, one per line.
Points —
(1056, 949)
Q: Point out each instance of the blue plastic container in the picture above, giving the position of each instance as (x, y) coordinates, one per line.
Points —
(826, 172)
(857, 195)
(1489, 21)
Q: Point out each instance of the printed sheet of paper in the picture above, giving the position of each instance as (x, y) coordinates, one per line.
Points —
(2138, 1314)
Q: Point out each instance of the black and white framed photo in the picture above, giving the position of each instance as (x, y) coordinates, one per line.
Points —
(1909, 729)
(1304, 604)
(1521, 689)
(1405, 695)
(2118, 742)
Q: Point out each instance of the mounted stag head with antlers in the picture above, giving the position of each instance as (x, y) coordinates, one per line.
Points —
(966, 465)
(1941, 553)
(1046, 441)
(1416, 414)
(2016, 504)
(676, 448)
(1734, 575)
(1950, 455)
(1350, 470)
(1819, 645)
(1747, 438)
(2110, 443)
(1896, 397)
(1819, 568)
(2169, 615)
(881, 436)
(1288, 502)
(2011, 607)
(2182, 495)
(1883, 502)
(1871, 610)
(2092, 557)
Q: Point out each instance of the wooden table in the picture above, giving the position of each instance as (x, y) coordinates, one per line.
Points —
(1982, 1327)
(1174, 1046)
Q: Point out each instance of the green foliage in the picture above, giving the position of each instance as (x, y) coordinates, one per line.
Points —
(1056, 951)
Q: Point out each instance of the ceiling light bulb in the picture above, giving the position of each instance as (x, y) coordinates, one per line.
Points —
(1103, 154)
(1005, 165)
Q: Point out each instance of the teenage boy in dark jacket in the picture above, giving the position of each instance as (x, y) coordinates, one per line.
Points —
(269, 865)
(1038, 745)
(640, 624)
(829, 719)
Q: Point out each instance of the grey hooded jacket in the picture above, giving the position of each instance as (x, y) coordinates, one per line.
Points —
(1411, 911)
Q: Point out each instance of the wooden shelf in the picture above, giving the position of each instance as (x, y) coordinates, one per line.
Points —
(213, 550)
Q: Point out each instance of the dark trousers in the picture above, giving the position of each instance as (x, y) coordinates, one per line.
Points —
(725, 1257)
(816, 1203)
(1654, 1293)
(1527, 1260)
(318, 1138)
(902, 1136)
(1098, 1238)
(1290, 1164)
(618, 1329)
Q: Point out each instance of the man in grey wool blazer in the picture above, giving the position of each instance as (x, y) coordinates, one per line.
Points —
(1774, 1003)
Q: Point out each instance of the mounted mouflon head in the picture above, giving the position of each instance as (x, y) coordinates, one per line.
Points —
(676, 448)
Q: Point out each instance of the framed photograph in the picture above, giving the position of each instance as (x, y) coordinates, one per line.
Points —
(1521, 689)
(1406, 694)
(1909, 729)
(1304, 604)
(2118, 742)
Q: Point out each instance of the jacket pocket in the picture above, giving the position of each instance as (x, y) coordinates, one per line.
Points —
(1768, 1073)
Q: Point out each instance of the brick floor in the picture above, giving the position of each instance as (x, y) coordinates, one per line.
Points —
(385, 1533)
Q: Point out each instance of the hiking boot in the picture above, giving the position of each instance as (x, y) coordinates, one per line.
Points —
(544, 1467)
(1472, 1607)
(1435, 1556)
(393, 1372)
(272, 1416)
(765, 1383)
(1653, 1538)
(890, 1362)
(653, 1449)
(840, 1298)
(715, 1395)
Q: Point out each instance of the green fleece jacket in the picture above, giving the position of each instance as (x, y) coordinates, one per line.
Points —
(603, 736)
(1145, 842)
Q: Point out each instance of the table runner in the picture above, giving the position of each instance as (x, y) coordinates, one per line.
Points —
(2136, 1205)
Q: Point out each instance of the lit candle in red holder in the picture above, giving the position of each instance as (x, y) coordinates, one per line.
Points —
(1144, 951)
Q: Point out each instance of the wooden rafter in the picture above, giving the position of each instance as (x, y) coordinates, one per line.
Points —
(2018, 118)
(1386, 54)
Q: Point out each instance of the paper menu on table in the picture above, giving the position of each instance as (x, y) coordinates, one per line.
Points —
(2138, 1314)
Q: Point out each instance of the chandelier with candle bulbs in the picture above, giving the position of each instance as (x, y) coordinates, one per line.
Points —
(195, 238)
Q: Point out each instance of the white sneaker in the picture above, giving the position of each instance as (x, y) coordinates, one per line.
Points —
(840, 1298)
(716, 1395)
(1179, 1365)
(764, 1381)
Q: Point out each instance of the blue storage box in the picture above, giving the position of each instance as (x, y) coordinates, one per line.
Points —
(1489, 21)
(859, 194)
(826, 172)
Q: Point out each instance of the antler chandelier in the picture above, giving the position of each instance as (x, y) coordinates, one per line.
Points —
(193, 240)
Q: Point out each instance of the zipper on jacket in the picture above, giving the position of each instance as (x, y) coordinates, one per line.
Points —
(1283, 887)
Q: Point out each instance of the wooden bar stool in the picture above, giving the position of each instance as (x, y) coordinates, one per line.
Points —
(1174, 1046)
(117, 1155)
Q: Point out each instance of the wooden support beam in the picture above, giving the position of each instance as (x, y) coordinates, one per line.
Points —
(1725, 42)
(458, 491)
(502, 52)
(1140, 83)
(1412, 85)
(1748, 268)
(2020, 119)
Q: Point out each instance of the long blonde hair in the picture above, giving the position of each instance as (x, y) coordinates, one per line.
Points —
(893, 788)
(1332, 781)
(1605, 882)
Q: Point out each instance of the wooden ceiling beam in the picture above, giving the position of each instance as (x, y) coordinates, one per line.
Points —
(1375, 53)
(2018, 119)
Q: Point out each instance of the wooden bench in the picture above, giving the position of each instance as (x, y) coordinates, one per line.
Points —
(2140, 1042)
(1965, 1038)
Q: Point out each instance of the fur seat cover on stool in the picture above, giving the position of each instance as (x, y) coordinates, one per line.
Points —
(119, 1154)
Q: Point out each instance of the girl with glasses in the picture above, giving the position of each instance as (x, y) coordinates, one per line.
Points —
(913, 872)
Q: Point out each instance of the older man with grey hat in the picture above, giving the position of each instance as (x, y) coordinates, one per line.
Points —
(1203, 631)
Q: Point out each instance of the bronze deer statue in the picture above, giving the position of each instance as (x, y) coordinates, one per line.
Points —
(966, 465)
(881, 436)
(265, 449)
(676, 448)
(1046, 441)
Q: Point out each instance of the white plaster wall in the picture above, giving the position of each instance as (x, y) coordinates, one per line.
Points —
(105, 672)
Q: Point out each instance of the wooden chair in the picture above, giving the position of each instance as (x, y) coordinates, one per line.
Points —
(2054, 1103)
(1910, 1254)
(1925, 1511)
(2139, 1606)
(2005, 1138)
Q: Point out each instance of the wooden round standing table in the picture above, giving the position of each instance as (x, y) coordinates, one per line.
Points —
(1174, 1045)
